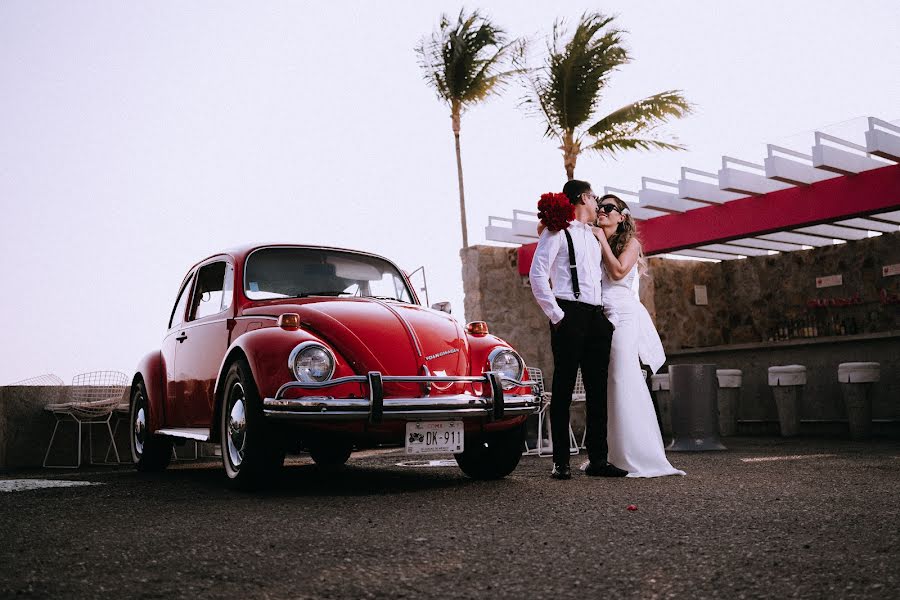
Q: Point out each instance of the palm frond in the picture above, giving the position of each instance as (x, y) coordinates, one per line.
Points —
(613, 146)
(579, 66)
(642, 116)
(464, 60)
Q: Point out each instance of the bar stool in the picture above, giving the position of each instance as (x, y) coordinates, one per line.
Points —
(659, 385)
(787, 383)
(729, 399)
(856, 379)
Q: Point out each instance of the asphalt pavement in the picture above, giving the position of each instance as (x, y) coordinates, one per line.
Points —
(769, 518)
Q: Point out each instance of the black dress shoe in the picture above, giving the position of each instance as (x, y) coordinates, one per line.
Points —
(561, 471)
(595, 469)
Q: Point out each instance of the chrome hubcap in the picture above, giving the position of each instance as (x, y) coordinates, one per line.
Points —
(237, 426)
(140, 426)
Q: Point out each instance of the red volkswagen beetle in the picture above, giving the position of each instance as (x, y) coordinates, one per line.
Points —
(283, 347)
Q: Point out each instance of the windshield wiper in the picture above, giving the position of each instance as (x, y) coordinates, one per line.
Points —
(383, 298)
(324, 293)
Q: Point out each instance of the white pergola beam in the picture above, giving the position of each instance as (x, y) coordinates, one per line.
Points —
(736, 250)
(834, 231)
(891, 217)
(666, 201)
(794, 172)
(639, 212)
(767, 244)
(745, 182)
(885, 144)
(869, 225)
(703, 191)
(505, 233)
(838, 160)
(705, 254)
(798, 238)
(525, 224)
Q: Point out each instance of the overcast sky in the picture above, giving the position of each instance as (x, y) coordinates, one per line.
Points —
(139, 137)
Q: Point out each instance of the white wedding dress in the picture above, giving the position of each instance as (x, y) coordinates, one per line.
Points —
(635, 442)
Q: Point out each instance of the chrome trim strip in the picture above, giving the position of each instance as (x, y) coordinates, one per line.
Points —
(326, 407)
(410, 415)
(398, 379)
(189, 433)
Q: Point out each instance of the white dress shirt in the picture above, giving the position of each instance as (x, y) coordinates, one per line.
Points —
(551, 265)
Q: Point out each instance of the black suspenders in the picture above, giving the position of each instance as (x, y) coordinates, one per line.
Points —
(572, 268)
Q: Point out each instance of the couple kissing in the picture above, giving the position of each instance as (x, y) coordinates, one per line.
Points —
(584, 276)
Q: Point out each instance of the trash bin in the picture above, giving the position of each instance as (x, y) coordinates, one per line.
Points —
(729, 399)
(695, 417)
(787, 383)
(659, 385)
(856, 379)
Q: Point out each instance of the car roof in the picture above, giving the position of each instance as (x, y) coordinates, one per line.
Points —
(240, 253)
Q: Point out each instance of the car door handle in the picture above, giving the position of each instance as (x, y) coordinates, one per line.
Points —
(181, 337)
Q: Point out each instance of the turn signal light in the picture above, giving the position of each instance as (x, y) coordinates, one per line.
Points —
(477, 328)
(289, 321)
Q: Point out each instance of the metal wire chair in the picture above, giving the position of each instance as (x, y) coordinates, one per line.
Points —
(41, 380)
(546, 397)
(93, 397)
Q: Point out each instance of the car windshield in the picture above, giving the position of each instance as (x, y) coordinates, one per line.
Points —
(301, 272)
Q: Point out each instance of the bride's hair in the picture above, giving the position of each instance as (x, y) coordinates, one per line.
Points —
(625, 232)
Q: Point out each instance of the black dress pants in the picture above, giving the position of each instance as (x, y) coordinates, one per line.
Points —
(581, 339)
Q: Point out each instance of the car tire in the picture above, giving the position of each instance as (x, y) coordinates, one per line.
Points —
(331, 456)
(149, 452)
(251, 452)
(492, 455)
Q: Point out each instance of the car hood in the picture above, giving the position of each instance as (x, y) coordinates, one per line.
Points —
(376, 335)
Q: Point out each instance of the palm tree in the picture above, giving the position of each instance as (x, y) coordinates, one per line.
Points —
(569, 86)
(463, 62)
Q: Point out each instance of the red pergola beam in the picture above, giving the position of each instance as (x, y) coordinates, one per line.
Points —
(827, 201)
(831, 200)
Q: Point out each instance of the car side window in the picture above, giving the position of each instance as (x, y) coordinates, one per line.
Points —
(177, 317)
(209, 293)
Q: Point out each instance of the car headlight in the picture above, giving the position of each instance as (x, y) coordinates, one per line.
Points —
(311, 362)
(508, 364)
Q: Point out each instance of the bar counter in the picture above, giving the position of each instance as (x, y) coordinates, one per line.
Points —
(822, 410)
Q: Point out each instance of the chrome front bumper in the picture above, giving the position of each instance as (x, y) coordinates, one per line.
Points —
(493, 404)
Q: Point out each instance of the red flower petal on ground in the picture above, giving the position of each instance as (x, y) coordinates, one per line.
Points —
(632, 507)
(555, 211)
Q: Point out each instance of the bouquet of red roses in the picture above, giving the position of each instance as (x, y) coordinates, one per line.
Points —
(555, 211)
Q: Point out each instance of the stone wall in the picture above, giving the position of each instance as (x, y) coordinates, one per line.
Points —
(747, 299)
(495, 293)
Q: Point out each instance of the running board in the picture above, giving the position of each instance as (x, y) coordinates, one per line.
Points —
(189, 433)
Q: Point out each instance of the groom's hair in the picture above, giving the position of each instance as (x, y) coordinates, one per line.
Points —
(573, 190)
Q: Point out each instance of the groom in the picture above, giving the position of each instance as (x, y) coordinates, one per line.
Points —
(580, 334)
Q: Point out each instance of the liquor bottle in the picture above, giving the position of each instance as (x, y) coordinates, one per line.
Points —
(853, 330)
(815, 327)
(842, 328)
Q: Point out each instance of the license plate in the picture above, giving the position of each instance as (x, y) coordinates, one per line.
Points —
(434, 437)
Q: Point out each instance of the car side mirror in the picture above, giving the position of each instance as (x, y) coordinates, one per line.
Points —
(442, 306)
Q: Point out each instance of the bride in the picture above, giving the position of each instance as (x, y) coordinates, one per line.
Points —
(635, 442)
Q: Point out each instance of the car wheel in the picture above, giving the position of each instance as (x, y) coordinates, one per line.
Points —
(492, 455)
(148, 451)
(331, 455)
(251, 453)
